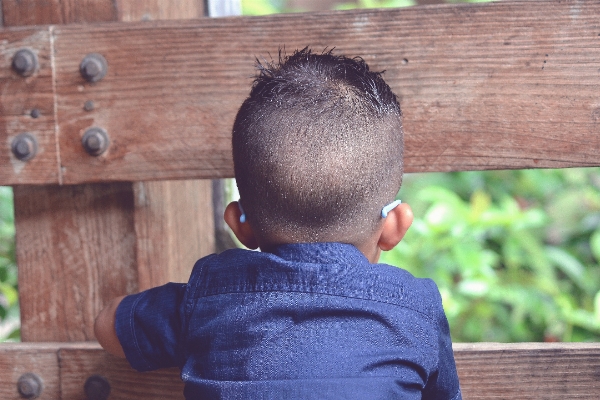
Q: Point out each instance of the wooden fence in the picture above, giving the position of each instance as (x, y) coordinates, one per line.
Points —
(487, 86)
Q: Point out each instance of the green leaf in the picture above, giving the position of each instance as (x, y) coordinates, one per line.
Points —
(474, 288)
(597, 305)
(595, 244)
(571, 267)
(259, 7)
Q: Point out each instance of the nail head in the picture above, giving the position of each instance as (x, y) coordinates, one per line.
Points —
(95, 141)
(30, 386)
(25, 62)
(96, 387)
(93, 67)
(24, 146)
(89, 105)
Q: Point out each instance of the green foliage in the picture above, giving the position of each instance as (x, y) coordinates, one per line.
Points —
(265, 7)
(262, 7)
(375, 4)
(514, 253)
(9, 301)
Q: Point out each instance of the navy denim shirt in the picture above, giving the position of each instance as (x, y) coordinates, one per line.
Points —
(308, 321)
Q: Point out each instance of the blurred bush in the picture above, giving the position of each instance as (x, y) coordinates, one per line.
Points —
(515, 254)
(9, 301)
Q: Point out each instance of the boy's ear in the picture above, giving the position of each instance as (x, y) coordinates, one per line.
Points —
(243, 231)
(395, 226)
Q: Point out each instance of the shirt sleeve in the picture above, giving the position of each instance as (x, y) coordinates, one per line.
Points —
(149, 327)
(443, 383)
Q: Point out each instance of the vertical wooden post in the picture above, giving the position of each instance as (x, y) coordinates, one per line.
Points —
(173, 219)
(79, 246)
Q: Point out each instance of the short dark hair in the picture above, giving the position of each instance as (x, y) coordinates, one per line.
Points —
(317, 149)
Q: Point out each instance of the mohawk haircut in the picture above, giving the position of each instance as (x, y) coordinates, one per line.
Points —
(317, 149)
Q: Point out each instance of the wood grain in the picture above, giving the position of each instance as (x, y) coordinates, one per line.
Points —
(19, 97)
(75, 252)
(486, 86)
(528, 370)
(492, 86)
(77, 364)
(486, 371)
(77, 247)
(34, 12)
(173, 219)
(174, 227)
(148, 10)
(17, 359)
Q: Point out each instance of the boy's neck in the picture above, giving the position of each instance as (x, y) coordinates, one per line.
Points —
(370, 251)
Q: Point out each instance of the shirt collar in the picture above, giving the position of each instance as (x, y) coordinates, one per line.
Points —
(322, 253)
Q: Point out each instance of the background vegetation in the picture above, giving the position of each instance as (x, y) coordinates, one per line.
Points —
(9, 305)
(515, 254)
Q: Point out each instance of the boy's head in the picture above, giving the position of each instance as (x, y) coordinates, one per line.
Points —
(317, 150)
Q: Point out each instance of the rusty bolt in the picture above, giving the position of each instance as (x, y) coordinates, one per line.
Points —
(30, 386)
(95, 141)
(96, 387)
(93, 67)
(89, 105)
(24, 146)
(25, 62)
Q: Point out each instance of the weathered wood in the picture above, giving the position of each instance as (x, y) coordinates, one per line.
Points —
(80, 246)
(486, 370)
(75, 245)
(21, 95)
(173, 219)
(223, 236)
(477, 88)
(174, 227)
(77, 364)
(17, 359)
(75, 251)
(502, 85)
(528, 370)
(34, 12)
(148, 10)
(64, 368)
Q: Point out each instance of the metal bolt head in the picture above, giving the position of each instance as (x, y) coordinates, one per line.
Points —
(95, 141)
(24, 146)
(25, 62)
(89, 105)
(93, 67)
(30, 386)
(96, 387)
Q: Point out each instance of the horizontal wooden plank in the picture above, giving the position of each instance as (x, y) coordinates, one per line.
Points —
(482, 86)
(505, 85)
(65, 367)
(78, 364)
(17, 359)
(528, 370)
(32, 12)
(486, 370)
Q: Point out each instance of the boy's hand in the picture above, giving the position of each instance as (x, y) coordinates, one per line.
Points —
(104, 328)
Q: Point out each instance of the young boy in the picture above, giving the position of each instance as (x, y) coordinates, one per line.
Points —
(317, 150)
